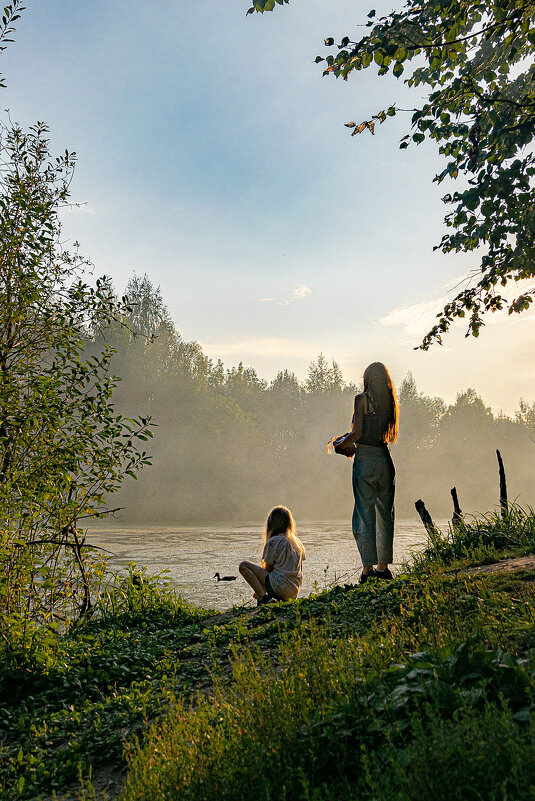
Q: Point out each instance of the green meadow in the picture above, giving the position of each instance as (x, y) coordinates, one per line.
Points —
(422, 687)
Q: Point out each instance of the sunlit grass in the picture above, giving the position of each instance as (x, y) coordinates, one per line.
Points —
(484, 538)
(313, 700)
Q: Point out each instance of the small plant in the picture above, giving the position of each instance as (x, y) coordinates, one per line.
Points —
(138, 596)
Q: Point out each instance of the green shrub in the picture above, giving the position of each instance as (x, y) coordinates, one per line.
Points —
(138, 597)
(285, 731)
(477, 755)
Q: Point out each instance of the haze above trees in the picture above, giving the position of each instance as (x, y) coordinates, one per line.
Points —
(229, 444)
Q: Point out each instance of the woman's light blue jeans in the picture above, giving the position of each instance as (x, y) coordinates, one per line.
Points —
(373, 515)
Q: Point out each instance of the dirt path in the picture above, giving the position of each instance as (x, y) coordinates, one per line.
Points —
(512, 565)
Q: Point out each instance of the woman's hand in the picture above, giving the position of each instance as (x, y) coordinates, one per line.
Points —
(347, 446)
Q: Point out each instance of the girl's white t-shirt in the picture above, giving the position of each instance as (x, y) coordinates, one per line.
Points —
(287, 560)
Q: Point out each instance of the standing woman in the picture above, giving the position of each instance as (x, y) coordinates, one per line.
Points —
(374, 427)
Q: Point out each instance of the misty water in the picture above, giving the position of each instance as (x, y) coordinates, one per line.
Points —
(193, 553)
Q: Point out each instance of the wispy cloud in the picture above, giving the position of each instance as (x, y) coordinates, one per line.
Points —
(77, 208)
(248, 346)
(300, 293)
(417, 318)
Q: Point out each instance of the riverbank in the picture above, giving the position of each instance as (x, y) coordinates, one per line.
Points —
(417, 688)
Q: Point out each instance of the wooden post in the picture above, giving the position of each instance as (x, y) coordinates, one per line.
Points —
(503, 486)
(427, 520)
(457, 512)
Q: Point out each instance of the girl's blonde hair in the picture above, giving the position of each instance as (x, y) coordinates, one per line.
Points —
(281, 521)
(379, 386)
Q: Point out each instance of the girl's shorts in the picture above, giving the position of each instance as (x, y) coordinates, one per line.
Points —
(270, 591)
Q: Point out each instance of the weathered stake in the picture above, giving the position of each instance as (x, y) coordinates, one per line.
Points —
(457, 512)
(503, 486)
(427, 520)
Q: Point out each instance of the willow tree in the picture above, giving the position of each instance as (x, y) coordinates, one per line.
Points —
(63, 447)
(473, 60)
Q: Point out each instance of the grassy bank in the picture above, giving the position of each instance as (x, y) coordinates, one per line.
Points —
(418, 688)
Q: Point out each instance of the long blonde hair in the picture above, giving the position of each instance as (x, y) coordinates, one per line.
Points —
(281, 521)
(378, 385)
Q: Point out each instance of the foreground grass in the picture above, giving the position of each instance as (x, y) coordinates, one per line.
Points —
(418, 688)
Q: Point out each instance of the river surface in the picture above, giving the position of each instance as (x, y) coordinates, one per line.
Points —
(193, 553)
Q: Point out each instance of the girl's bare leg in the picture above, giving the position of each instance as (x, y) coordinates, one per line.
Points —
(255, 576)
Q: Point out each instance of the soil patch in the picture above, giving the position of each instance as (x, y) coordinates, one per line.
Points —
(512, 565)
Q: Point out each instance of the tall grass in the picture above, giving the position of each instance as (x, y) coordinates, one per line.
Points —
(477, 755)
(136, 596)
(484, 538)
(421, 703)
(393, 691)
(323, 717)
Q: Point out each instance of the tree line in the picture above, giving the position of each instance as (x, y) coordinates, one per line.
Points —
(228, 444)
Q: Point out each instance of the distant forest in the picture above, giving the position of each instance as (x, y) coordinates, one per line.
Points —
(228, 445)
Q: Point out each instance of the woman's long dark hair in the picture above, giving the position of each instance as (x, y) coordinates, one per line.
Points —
(378, 385)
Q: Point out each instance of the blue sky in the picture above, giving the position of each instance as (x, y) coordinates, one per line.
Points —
(213, 157)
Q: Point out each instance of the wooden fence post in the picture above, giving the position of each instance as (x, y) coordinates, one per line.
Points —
(457, 512)
(427, 520)
(503, 487)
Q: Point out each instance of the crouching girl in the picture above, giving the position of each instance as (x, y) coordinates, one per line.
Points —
(280, 574)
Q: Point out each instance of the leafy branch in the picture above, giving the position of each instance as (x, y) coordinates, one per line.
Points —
(10, 15)
(475, 61)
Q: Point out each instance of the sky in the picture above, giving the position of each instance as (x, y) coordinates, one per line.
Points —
(212, 156)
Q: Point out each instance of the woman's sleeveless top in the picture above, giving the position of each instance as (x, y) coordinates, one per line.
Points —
(372, 428)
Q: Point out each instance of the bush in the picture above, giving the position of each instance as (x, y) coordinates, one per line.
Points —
(137, 598)
(477, 754)
(323, 717)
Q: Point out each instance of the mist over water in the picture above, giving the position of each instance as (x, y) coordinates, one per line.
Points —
(228, 445)
(193, 553)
